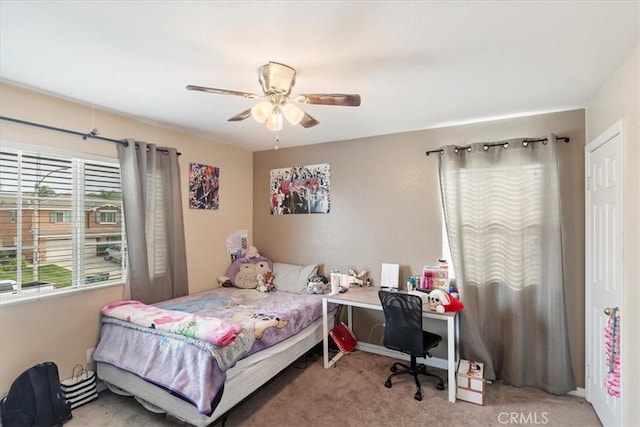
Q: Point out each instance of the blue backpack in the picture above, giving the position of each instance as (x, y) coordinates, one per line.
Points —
(35, 399)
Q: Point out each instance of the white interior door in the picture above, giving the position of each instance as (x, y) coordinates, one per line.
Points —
(603, 170)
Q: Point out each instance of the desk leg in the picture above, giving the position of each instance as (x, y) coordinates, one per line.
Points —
(325, 338)
(452, 339)
(325, 333)
(457, 337)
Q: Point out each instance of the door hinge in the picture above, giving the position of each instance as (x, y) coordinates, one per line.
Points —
(588, 183)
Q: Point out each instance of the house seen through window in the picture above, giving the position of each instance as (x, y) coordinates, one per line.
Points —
(61, 223)
(61, 216)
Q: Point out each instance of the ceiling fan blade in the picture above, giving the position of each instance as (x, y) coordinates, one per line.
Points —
(240, 116)
(308, 121)
(222, 91)
(347, 100)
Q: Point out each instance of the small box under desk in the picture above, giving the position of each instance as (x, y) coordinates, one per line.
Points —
(470, 381)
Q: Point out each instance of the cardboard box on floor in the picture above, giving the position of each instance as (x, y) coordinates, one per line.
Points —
(470, 381)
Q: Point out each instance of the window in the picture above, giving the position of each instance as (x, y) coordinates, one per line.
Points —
(60, 216)
(446, 250)
(106, 217)
(509, 227)
(47, 206)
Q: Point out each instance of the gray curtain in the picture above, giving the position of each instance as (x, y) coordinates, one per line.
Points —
(502, 213)
(157, 262)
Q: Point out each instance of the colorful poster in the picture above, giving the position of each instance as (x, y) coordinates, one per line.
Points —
(300, 189)
(204, 186)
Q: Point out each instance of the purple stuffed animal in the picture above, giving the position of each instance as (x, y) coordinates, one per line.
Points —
(244, 271)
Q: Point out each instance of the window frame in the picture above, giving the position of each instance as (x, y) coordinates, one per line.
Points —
(107, 211)
(66, 217)
(77, 286)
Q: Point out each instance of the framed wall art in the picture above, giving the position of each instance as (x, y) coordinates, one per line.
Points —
(204, 186)
(300, 189)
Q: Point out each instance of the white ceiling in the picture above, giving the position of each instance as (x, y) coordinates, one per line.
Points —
(416, 65)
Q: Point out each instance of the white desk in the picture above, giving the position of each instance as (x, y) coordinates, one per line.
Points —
(367, 297)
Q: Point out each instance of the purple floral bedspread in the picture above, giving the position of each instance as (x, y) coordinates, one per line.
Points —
(191, 370)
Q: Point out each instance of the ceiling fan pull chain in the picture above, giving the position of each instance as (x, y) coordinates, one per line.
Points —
(277, 147)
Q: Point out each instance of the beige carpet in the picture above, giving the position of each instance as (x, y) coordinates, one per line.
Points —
(353, 394)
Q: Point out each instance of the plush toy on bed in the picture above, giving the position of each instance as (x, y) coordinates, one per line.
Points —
(224, 281)
(265, 282)
(244, 271)
(318, 284)
(442, 302)
(251, 252)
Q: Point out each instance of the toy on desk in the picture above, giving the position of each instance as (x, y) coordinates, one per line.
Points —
(358, 278)
(442, 302)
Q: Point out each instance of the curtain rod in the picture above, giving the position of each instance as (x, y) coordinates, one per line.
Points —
(505, 144)
(93, 133)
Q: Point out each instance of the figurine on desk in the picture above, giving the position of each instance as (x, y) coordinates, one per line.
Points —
(359, 278)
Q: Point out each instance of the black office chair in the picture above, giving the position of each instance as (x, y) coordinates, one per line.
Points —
(403, 332)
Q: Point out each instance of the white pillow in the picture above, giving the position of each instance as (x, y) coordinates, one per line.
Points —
(293, 278)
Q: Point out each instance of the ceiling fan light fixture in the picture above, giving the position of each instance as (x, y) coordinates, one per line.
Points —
(261, 111)
(293, 113)
(276, 78)
(274, 122)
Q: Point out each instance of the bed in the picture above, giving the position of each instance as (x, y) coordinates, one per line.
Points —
(198, 377)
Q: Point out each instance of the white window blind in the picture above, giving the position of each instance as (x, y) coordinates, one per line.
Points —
(61, 223)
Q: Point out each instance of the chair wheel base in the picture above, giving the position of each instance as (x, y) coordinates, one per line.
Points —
(387, 384)
(440, 386)
(418, 396)
(394, 368)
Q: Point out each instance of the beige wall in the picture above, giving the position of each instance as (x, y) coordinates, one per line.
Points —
(385, 205)
(619, 98)
(61, 329)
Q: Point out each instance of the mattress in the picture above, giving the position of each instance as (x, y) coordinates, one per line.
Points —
(167, 367)
(244, 378)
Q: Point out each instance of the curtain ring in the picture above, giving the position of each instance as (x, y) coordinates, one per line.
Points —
(544, 142)
(525, 143)
(469, 149)
(455, 150)
(505, 145)
(485, 147)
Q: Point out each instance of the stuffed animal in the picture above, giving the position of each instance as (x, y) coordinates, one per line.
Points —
(251, 252)
(243, 271)
(318, 284)
(269, 278)
(442, 302)
(224, 281)
(265, 282)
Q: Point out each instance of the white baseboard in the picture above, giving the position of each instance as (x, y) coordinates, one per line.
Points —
(579, 392)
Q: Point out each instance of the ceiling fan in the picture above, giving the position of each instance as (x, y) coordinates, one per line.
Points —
(276, 81)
